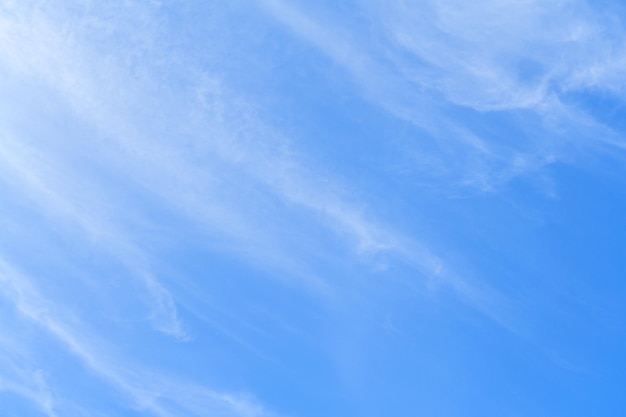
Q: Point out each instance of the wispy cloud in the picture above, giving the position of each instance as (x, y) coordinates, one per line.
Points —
(441, 64)
(152, 137)
(226, 209)
(195, 145)
(32, 386)
(56, 194)
(255, 155)
(148, 390)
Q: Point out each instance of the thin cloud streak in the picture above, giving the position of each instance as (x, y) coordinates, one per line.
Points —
(148, 390)
(34, 389)
(208, 172)
(252, 156)
(422, 63)
(199, 192)
(24, 165)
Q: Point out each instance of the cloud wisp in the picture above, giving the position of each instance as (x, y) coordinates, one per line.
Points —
(443, 65)
(148, 390)
(192, 180)
(137, 144)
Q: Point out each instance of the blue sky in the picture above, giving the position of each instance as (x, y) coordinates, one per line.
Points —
(273, 208)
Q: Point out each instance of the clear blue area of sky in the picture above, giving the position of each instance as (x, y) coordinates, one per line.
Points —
(274, 208)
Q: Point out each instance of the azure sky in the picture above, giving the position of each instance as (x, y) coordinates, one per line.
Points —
(288, 208)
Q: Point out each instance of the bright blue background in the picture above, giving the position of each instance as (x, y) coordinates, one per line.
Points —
(337, 208)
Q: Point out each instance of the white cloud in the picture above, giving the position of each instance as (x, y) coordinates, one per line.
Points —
(32, 386)
(181, 139)
(58, 193)
(195, 145)
(148, 390)
(225, 155)
(424, 61)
